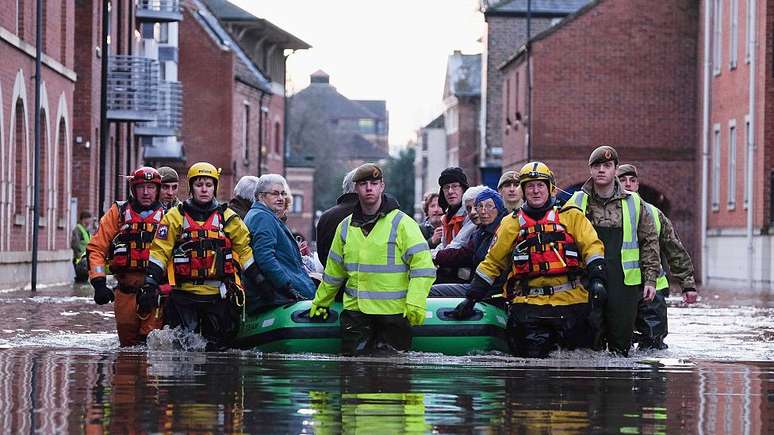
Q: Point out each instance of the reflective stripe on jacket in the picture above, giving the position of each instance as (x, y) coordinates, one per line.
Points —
(661, 282)
(630, 249)
(381, 272)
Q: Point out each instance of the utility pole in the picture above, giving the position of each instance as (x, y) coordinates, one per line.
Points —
(36, 164)
(103, 121)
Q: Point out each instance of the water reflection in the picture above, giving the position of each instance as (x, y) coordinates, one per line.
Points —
(45, 391)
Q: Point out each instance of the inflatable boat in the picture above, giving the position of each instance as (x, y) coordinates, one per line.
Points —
(288, 329)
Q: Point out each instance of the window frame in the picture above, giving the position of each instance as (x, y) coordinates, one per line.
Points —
(731, 166)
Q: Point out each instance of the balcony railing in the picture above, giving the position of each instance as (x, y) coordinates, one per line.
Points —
(167, 149)
(133, 83)
(169, 113)
(158, 11)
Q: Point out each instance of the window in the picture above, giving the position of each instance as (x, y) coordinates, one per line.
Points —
(733, 36)
(731, 165)
(747, 139)
(366, 125)
(716, 169)
(298, 203)
(277, 139)
(246, 136)
(20, 19)
(717, 35)
(161, 33)
(749, 32)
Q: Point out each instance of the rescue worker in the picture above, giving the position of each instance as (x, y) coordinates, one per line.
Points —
(122, 241)
(382, 259)
(631, 245)
(169, 185)
(79, 238)
(651, 324)
(453, 184)
(547, 251)
(204, 242)
(509, 189)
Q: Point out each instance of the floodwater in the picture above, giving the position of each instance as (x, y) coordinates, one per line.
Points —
(61, 372)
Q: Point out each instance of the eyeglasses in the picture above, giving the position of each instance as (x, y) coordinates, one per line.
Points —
(275, 193)
(485, 207)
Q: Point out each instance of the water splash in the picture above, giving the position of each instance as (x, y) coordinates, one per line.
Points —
(175, 339)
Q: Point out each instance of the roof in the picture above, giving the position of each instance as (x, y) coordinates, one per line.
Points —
(328, 99)
(538, 7)
(245, 68)
(377, 107)
(436, 123)
(355, 146)
(463, 75)
(271, 34)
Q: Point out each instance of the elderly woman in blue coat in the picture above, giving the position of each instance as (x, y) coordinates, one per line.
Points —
(274, 248)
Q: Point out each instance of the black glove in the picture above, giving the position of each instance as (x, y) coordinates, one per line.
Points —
(479, 288)
(102, 293)
(148, 296)
(464, 309)
(291, 293)
(597, 270)
(597, 293)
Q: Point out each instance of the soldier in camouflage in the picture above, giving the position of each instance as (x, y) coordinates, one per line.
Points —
(651, 324)
(629, 234)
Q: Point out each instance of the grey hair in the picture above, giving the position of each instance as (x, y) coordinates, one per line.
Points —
(246, 187)
(348, 186)
(266, 181)
(472, 193)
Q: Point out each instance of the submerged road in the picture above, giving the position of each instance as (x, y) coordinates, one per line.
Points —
(61, 371)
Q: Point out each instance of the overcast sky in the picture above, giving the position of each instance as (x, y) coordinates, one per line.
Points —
(394, 50)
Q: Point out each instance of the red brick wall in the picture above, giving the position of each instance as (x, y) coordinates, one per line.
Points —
(469, 139)
(514, 141)
(301, 181)
(209, 97)
(274, 155)
(606, 78)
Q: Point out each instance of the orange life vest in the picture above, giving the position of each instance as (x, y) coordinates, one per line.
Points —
(203, 251)
(451, 226)
(544, 248)
(131, 246)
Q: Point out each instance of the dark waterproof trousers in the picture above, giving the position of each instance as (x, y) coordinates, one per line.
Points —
(363, 334)
(209, 315)
(622, 299)
(534, 331)
(651, 325)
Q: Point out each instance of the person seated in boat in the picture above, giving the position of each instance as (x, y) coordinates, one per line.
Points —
(204, 243)
(431, 225)
(244, 195)
(489, 210)
(275, 249)
(381, 258)
(445, 274)
(546, 251)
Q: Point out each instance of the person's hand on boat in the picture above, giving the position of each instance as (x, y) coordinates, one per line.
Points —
(464, 309)
(102, 293)
(690, 295)
(318, 313)
(415, 314)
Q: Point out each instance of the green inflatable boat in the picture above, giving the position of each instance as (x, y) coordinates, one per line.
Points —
(288, 329)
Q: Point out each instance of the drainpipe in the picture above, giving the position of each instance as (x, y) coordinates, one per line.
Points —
(705, 137)
(529, 80)
(260, 133)
(751, 146)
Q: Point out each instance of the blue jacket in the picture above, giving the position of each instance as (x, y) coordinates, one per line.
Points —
(276, 252)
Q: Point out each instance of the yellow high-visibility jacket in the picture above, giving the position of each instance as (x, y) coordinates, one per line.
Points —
(500, 258)
(382, 272)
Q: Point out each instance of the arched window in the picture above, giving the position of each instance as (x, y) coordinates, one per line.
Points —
(61, 180)
(20, 204)
(42, 169)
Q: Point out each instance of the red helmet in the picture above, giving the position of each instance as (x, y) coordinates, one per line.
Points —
(144, 174)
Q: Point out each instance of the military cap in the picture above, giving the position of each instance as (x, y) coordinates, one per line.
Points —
(508, 176)
(367, 171)
(603, 154)
(626, 169)
(168, 175)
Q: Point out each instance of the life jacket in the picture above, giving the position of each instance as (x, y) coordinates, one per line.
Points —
(452, 226)
(130, 248)
(544, 248)
(203, 251)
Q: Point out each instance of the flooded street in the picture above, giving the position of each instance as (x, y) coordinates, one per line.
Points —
(61, 372)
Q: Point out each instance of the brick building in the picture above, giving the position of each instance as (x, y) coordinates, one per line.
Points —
(428, 161)
(603, 76)
(462, 110)
(233, 67)
(17, 140)
(735, 74)
(506, 29)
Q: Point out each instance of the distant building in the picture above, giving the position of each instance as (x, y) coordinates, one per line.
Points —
(462, 106)
(17, 141)
(593, 83)
(233, 67)
(506, 29)
(429, 161)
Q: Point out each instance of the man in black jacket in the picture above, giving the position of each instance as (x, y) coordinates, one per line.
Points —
(331, 218)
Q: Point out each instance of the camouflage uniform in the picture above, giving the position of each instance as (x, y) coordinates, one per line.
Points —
(680, 264)
(606, 215)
